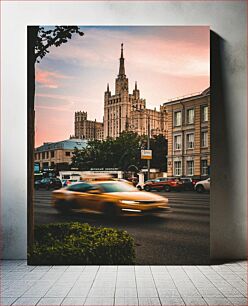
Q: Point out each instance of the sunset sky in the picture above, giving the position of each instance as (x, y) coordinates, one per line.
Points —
(167, 62)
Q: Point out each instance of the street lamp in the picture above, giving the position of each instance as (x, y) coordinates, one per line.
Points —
(148, 145)
(148, 138)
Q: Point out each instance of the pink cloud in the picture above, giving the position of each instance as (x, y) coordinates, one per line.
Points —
(49, 79)
(167, 62)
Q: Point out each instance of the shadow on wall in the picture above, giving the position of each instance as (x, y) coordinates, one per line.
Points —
(225, 229)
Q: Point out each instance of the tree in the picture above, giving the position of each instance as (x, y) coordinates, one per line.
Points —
(110, 153)
(39, 41)
(159, 147)
(121, 153)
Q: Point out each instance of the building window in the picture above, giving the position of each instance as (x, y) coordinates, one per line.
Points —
(205, 113)
(67, 153)
(47, 155)
(178, 142)
(177, 168)
(52, 154)
(43, 155)
(190, 116)
(178, 118)
(190, 167)
(204, 167)
(204, 139)
(190, 139)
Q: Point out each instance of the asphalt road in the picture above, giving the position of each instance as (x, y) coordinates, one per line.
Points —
(180, 237)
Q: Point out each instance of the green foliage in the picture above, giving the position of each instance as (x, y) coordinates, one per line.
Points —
(120, 153)
(110, 153)
(55, 36)
(159, 146)
(81, 244)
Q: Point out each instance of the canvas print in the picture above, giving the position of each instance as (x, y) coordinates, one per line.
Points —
(121, 154)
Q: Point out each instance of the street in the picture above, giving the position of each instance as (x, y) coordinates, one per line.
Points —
(179, 237)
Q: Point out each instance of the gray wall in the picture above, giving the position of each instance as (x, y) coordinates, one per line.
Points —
(229, 142)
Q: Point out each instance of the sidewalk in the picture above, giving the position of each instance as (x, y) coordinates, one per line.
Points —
(123, 285)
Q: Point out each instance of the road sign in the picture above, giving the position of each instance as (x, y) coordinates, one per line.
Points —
(146, 154)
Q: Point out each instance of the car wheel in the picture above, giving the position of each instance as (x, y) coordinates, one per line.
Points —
(63, 207)
(110, 210)
(147, 188)
(167, 188)
(139, 188)
(200, 188)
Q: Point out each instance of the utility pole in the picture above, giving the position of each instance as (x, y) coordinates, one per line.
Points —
(148, 145)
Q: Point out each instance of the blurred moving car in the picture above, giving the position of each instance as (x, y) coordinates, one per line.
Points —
(164, 183)
(123, 181)
(202, 186)
(48, 183)
(69, 182)
(109, 197)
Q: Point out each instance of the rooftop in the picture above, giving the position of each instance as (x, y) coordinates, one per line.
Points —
(188, 97)
(68, 144)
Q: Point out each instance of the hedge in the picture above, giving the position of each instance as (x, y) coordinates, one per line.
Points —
(81, 244)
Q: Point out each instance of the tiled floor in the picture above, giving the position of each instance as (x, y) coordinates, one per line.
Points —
(123, 285)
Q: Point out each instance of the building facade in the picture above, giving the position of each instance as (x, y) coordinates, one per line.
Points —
(56, 154)
(87, 129)
(124, 111)
(188, 122)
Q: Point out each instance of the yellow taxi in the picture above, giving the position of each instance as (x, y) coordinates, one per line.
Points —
(109, 197)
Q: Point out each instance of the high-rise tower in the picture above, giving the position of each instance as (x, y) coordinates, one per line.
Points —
(127, 112)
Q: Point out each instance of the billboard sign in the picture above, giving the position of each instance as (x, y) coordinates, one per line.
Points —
(146, 154)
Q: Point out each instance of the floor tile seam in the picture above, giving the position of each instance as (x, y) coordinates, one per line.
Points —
(228, 281)
(13, 301)
(136, 285)
(25, 291)
(44, 292)
(229, 298)
(155, 287)
(193, 282)
(214, 284)
(87, 295)
(73, 283)
(116, 282)
(39, 298)
(204, 298)
(175, 286)
(189, 281)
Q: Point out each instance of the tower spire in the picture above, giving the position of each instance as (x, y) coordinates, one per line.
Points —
(107, 87)
(135, 85)
(122, 67)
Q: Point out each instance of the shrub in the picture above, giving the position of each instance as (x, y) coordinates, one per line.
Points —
(81, 244)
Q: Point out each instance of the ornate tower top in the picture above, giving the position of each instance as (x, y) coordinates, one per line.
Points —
(122, 67)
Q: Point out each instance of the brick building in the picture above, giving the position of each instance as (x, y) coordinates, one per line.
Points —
(87, 129)
(124, 111)
(188, 122)
(58, 153)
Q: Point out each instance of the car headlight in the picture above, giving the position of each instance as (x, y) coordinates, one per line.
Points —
(128, 202)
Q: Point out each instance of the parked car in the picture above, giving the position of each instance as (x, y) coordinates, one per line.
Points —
(109, 197)
(202, 186)
(141, 186)
(188, 183)
(48, 183)
(164, 183)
